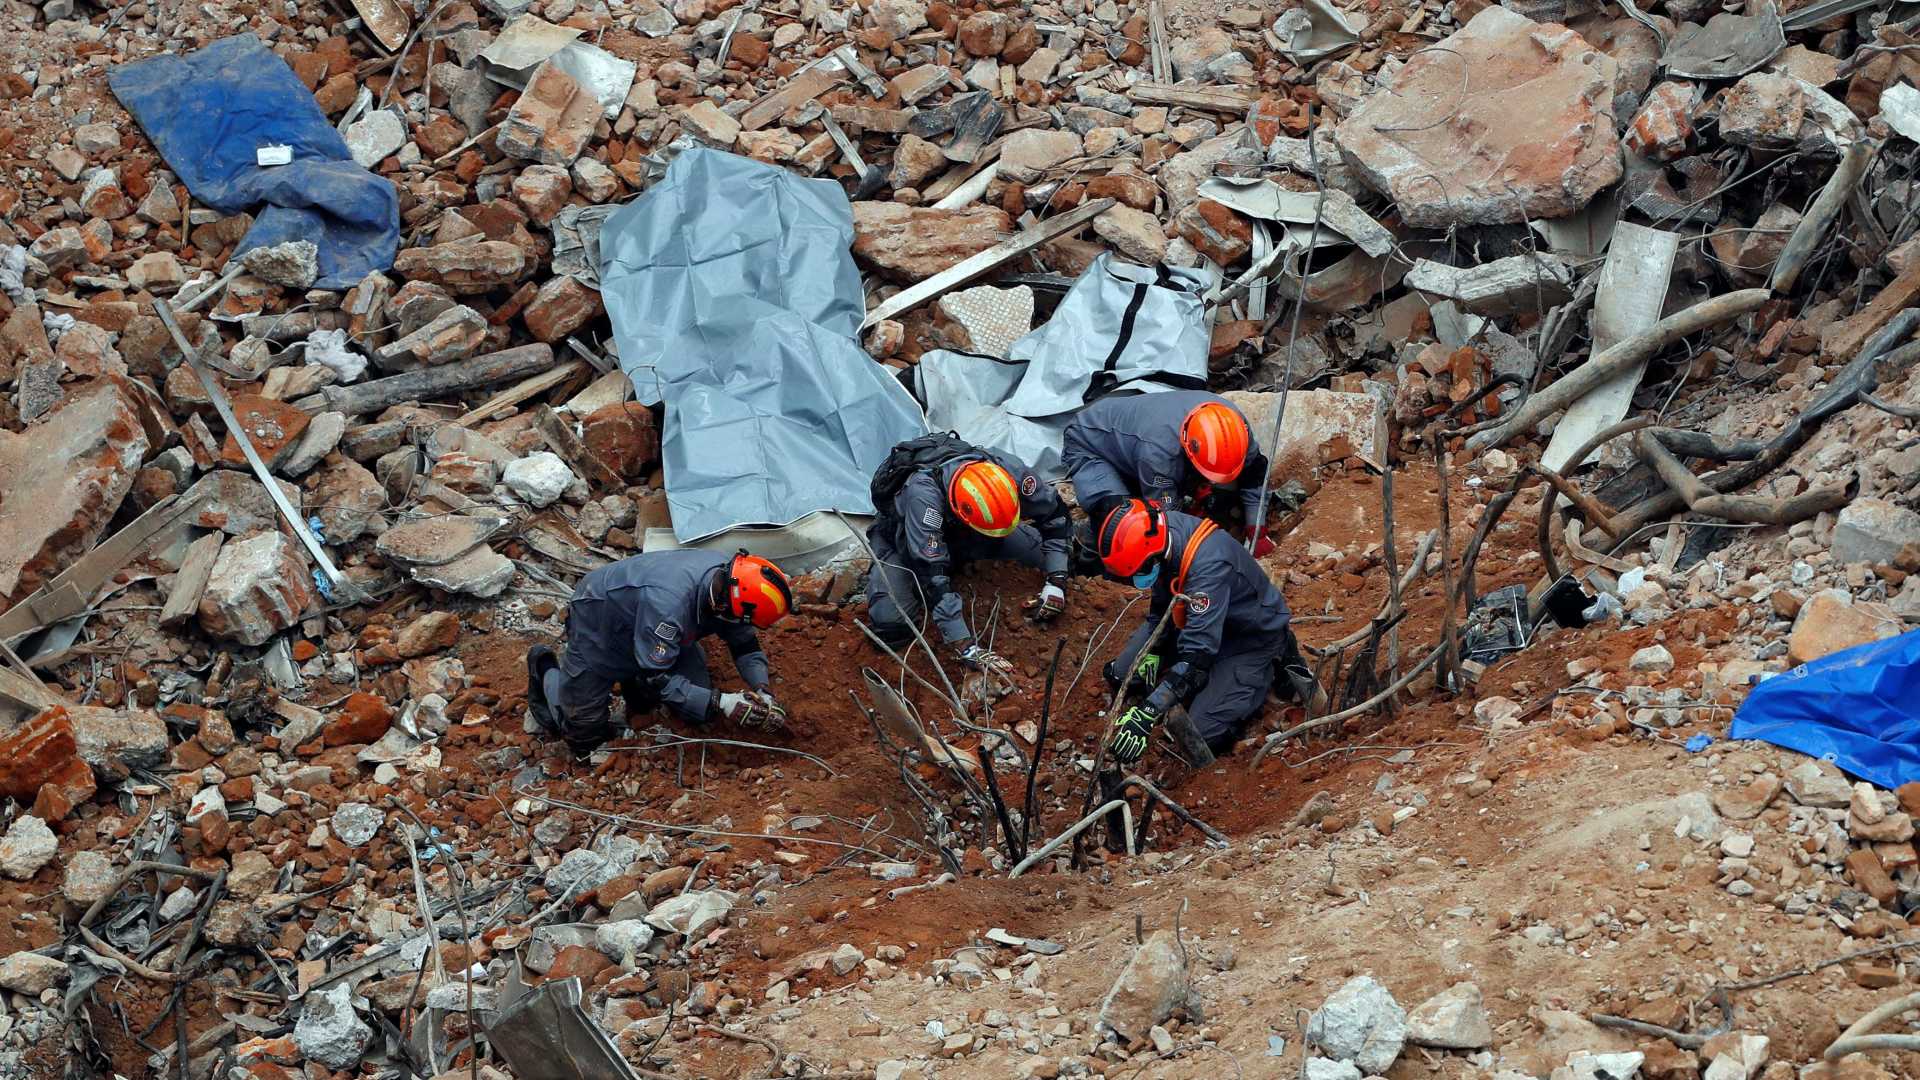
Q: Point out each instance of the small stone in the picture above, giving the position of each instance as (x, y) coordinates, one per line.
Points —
(1653, 658)
(1149, 989)
(329, 1031)
(1454, 1019)
(31, 974)
(89, 876)
(1748, 801)
(27, 846)
(375, 137)
(693, 914)
(354, 824)
(845, 958)
(294, 264)
(539, 479)
(1135, 234)
(1360, 1023)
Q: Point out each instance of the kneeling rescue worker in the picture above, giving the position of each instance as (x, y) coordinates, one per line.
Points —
(637, 623)
(1180, 450)
(939, 501)
(1219, 656)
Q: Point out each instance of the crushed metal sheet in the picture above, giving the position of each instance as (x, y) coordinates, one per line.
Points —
(545, 1034)
(576, 242)
(1631, 296)
(386, 20)
(1268, 200)
(1728, 47)
(1900, 108)
(530, 41)
(1316, 29)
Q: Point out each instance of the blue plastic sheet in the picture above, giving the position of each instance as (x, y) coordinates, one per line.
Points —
(1858, 708)
(208, 112)
(734, 299)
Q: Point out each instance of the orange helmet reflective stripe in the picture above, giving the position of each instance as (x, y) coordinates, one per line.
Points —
(1133, 532)
(985, 497)
(1215, 437)
(757, 591)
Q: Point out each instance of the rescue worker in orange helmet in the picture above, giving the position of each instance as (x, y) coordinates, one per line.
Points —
(940, 501)
(1225, 643)
(1180, 450)
(637, 623)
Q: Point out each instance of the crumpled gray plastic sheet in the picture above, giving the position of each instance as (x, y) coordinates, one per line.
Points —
(1020, 405)
(734, 298)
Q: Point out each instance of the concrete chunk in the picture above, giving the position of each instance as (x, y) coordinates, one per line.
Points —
(1530, 135)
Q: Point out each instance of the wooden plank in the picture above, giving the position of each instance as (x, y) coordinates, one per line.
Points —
(1157, 42)
(798, 90)
(523, 390)
(1210, 98)
(991, 259)
(67, 594)
(191, 580)
(30, 693)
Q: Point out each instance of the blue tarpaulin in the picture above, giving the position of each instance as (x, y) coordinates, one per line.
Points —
(209, 112)
(1858, 708)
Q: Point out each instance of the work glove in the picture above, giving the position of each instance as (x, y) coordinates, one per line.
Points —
(980, 658)
(776, 712)
(744, 710)
(1049, 604)
(1146, 671)
(1127, 740)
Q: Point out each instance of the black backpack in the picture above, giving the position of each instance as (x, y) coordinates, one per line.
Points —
(924, 452)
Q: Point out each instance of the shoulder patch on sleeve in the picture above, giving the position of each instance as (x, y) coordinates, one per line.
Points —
(667, 631)
(931, 517)
(1029, 484)
(1198, 603)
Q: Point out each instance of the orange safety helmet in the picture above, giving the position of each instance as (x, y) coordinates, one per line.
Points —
(757, 591)
(1215, 437)
(1133, 533)
(985, 497)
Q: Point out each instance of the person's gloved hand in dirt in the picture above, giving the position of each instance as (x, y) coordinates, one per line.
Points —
(1144, 676)
(748, 709)
(980, 658)
(1052, 599)
(1127, 739)
(776, 712)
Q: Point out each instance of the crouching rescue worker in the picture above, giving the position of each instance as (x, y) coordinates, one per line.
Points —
(1219, 655)
(637, 623)
(1184, 450)
(940, 502)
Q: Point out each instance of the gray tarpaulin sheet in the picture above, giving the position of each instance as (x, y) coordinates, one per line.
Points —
(1121, 326)
(734, 298)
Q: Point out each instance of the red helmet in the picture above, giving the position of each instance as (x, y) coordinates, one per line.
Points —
(985, 497)
(1133, 533)
(757, 591)
(1215, 437)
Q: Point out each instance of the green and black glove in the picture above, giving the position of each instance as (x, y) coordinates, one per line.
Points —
(1127, 742)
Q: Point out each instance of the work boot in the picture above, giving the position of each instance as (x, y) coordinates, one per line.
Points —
(540, 660)
(1297, 678)
(1197, 751)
